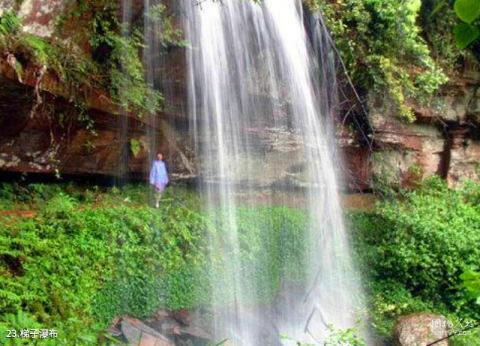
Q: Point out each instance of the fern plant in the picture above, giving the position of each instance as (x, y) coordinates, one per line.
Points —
(10, 23)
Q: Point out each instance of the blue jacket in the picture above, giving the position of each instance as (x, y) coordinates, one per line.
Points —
(158, 173)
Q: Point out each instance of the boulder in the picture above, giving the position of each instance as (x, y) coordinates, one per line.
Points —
(421, 329)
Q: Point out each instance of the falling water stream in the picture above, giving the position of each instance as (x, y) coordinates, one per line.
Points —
(253, 71)
(262, 96)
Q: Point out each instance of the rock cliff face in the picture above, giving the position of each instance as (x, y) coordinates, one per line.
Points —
(444, 140)
(43, 131)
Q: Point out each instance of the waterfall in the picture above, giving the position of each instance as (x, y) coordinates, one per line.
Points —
(262, 97)
(253, 74)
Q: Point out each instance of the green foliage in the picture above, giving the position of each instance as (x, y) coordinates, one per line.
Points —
(64, 58)
(18, 322)
(381, 44)
(466, 34)
(37, 47)
(76, 266)
(437, 21)
(390, 299)
(116, 53)
(339, 337)
(135, 146)
(122, 47)
(90, 255)
(170, 36)
(414, 249)
(467, 10)
(145, 264)
(471, 282)
(466, 339)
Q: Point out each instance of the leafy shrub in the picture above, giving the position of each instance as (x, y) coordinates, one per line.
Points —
(344, 337)
(382, 46)
(89, 256)
(390, 299)
(415, 248)
(75, 267)
(469, 338)
(59, 207)
(170, 36)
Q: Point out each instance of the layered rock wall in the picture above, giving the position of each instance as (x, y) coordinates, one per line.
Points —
(46, 132)
(444, 140)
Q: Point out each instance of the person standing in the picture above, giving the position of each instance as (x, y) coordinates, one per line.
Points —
(158, 178)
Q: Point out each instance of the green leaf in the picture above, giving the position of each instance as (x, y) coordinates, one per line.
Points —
(467, 10)
(465, 34)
